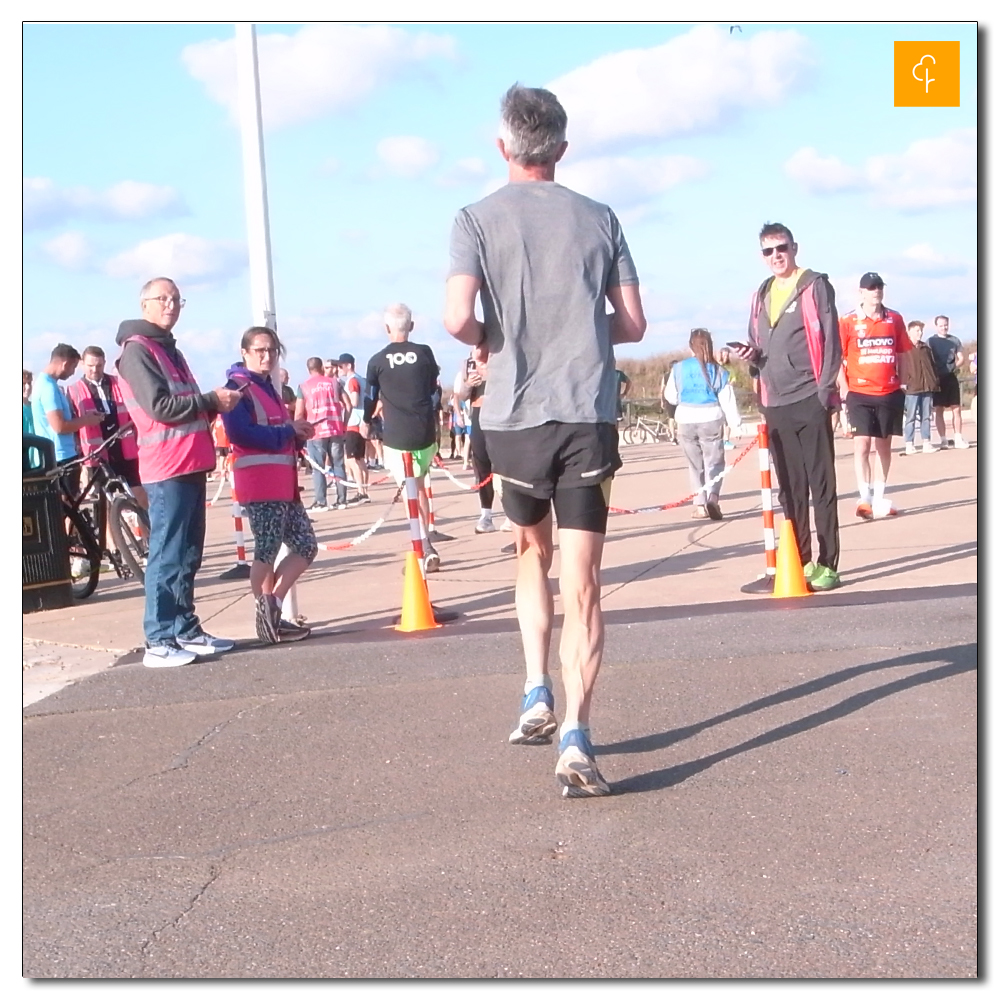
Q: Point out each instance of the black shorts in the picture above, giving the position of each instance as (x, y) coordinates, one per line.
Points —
(875, 416)
(354, 445)
(542, 464)
(949, 392)
(375, 430)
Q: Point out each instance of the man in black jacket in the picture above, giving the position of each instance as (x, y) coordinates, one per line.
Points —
(795, 346)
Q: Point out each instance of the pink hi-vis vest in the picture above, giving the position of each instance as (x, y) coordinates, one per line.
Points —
(91, 438)
(264, 475)
(169, 450)
(324, 410)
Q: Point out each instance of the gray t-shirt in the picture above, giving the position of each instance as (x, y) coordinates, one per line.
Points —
(546, 257)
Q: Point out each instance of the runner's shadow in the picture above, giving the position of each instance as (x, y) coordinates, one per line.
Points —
(961, 659)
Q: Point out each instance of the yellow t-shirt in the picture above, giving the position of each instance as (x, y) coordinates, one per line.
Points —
(781, 292)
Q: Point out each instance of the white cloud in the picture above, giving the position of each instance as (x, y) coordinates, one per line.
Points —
(406, 155)
(318, 70)
(922, 260)
(465, 171)
(182, 257)
(822, 174)
(45, 204)
(694, 82)
(70, 250)
(625, 182)
(931, 173)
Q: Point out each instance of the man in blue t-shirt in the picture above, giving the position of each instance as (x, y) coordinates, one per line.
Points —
(52, 414)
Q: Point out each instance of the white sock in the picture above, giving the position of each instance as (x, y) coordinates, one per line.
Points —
(485, 514)
(878, 492)
(541, 680)
(865, 491)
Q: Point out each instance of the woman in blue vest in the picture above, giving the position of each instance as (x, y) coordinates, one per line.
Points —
(264, 442)
(703, 394)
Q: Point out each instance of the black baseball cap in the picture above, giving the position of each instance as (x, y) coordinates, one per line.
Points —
(871, 280)
(345, 359)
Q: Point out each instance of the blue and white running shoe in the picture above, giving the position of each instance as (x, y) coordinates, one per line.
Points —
(577, 769)
(538, 720)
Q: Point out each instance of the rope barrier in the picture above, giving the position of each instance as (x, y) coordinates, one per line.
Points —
(438, 464)
(680, 503)
(329, 473)
(365, 535)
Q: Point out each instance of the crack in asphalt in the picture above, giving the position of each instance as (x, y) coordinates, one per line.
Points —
(214, 872)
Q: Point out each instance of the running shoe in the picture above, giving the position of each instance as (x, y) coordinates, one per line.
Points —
(929, 448)
(538, 720)
(824, 579)
(266, 618)
(910, 449)
(292, 631)
(432, 561)
(204, 644)
(506, 526)
(167, 655)
(864, 511)
(577, 768)
(960, 441)
(317, 508)
(714, 511)
(699, 512)
(809, 570)
(485, 524)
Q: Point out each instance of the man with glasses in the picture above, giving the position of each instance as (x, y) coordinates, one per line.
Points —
(176, 452)
(795, 347)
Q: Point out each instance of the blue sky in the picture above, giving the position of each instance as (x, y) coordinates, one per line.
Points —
(376, 134)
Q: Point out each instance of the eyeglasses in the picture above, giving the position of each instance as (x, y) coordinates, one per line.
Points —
(780, 248)
(167, 300)
(261, 351)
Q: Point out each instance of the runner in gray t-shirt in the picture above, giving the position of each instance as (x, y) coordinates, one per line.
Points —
(545, 262)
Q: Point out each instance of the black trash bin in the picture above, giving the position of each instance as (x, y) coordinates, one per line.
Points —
(45, 579)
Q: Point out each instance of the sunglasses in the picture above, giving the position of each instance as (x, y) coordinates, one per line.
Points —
(780, 248)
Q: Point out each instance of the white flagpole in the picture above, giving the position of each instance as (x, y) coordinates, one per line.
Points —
(258, 227)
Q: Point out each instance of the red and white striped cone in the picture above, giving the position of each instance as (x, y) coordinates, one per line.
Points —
(241, 571)
(765, 584)
(432, 533)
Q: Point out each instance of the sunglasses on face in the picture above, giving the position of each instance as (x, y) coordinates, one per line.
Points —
(780, 248)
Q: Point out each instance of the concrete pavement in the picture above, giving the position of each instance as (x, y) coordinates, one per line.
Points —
(795, 779)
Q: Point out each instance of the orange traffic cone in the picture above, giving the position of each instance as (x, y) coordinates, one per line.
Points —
(789, 581)
(418, 614)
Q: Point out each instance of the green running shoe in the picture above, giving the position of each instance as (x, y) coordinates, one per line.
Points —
(824, 578)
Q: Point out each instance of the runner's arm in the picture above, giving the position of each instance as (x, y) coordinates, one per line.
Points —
(628, 323)
(460, 309)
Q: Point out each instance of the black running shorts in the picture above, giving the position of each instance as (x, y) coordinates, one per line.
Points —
(550, 463)
(875, 416)
(354, 444)
(949, 392)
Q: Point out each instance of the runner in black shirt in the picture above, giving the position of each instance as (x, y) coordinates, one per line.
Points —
(405, 377)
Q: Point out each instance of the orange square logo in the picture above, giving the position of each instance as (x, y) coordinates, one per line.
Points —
(925, 75)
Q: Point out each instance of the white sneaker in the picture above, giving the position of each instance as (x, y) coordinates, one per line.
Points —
(206, 645)
(506, 525)
(960, 441)
(485, 524)
(929, 449)
(911, 448)
(167, 656)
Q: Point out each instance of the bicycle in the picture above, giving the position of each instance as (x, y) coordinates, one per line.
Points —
(104, 503)
(645, 431)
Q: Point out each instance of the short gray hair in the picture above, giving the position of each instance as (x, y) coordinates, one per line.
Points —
(399, 318)
(532, 125)
(149, 284)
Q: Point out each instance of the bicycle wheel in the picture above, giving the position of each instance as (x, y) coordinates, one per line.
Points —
(84, 556)
(129, 525)
(627, 434)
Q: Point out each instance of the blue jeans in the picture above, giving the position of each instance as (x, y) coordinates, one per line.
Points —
(914, 404)
(176, 543)
(328, 453)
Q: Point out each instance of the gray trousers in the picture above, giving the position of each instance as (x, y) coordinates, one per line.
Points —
(704, 450)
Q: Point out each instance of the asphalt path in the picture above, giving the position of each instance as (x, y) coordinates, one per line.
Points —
(795, 791)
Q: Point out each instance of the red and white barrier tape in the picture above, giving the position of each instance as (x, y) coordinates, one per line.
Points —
(438, 464)
(347, 482)
(680, 503)
(365, 535)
